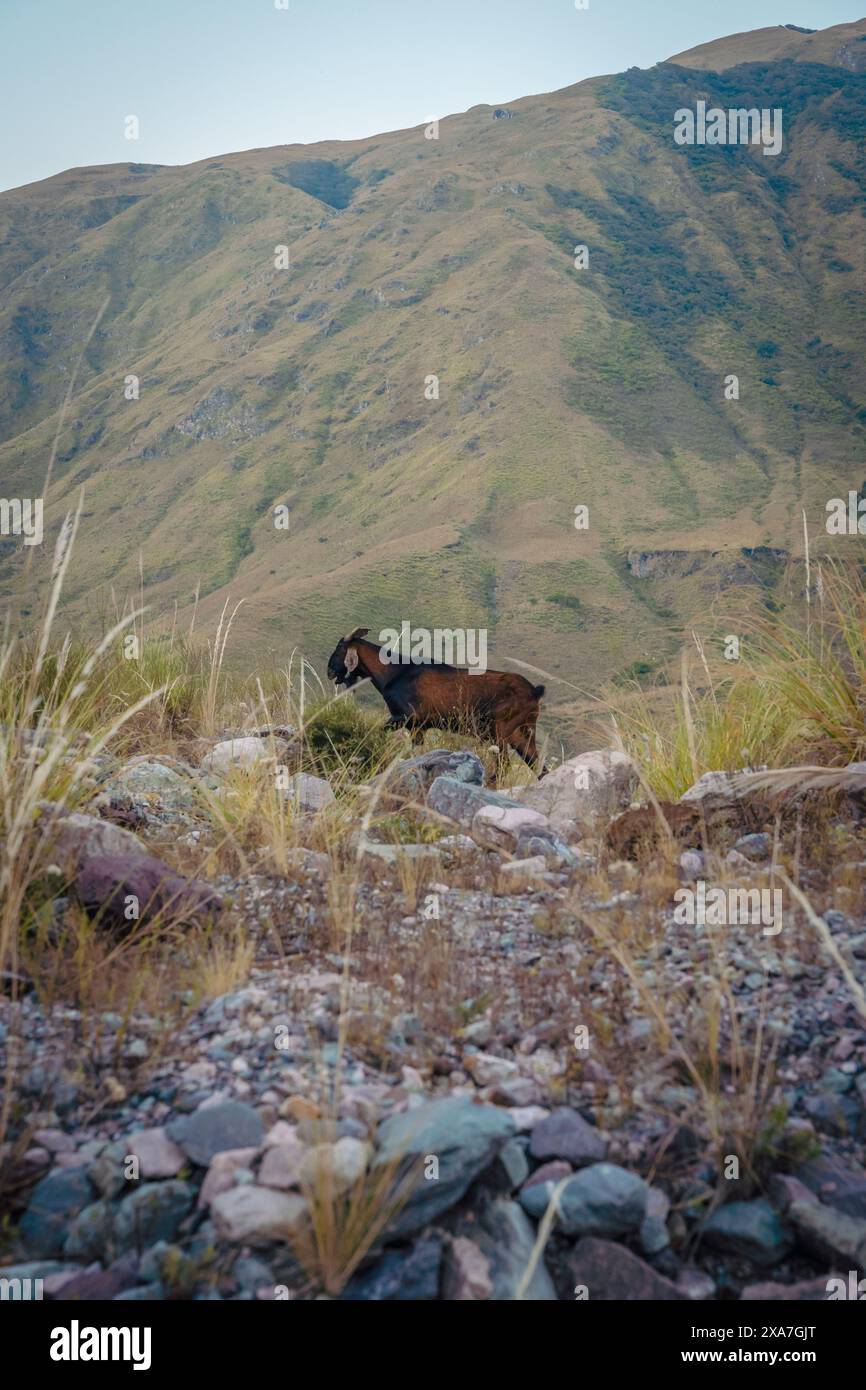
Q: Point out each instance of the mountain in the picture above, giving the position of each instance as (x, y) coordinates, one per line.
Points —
(558, 387)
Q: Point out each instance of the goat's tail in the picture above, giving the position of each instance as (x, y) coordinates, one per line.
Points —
(537, 691)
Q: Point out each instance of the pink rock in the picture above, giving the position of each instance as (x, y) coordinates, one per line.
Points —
(282, 1164)
(54, 1140)
(549, 1172)
(158, 1156)
(467, 1272)
(220, 1174)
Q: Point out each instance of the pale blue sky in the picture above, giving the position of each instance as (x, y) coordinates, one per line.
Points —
(207, 77)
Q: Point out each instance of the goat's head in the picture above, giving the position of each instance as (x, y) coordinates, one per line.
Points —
(343, 661)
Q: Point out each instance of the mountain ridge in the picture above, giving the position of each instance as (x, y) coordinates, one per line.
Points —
(558, 387)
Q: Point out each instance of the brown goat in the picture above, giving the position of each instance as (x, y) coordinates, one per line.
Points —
(431, 695)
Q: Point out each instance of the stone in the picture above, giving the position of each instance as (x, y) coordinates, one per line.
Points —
(152, 1212)
(282, 1165)
(77, 836)
(257, 1216)
(487, 1070)
(715, 790)
(158, 1155)
(466, 1275)
(463, 1137)
(507, 1239)
(510, 1167)
(566, 1134)
(230, 1124)
(244, 753)
(91, 1233)
(309, 794)
(102, 1285)
(601, 1200)
(610, 784)
(459, 801)
(337, 1167)
(400, 1276)
(554, 1172)
(610, 1272)
(828, 1233)
(144, 779)
(499, 827)
(751, 1230)
(834, 1114)
(838, 1184)
(220, 1175)
(54, 1202)
(411, 777)
(106, 884)
(757, 846)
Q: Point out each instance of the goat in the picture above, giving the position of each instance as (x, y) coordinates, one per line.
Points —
(431, 695)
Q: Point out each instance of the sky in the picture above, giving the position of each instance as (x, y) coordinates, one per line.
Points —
(209, 77)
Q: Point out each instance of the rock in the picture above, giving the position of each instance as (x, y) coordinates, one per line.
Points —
(758, 846)
(400, 1275)
(392, 854)
(611, 1272)
(565, 1134)
(514, 1092)
(242, 753)
(463, 1137)
(749, 1229)
(257, 1215)
(91, 1233)
(507, 1239)
(653, 1234)
(77, 836)
(413, 776)
(837, 1184)
(309, 794)
(509, 1168)
(230, 1124)
(54, 1202)
(695, 1284)
(498, 827)
(221, 1173)
(518, 872)
(526, 1117)
(101, 1285)
(282, 1164)
(602, 1200)
(152, 1212)
(107, 1173)
(113, 885)
(158, 1156)
(552, 1172)
(143, 779)
(336, 1168)
(810, 1290)
(583, 793)
(466, 1275)
(693, 864)
(715, 790)
(828, 1233)
(834, 1114)
(459, 801)
(487, 1070)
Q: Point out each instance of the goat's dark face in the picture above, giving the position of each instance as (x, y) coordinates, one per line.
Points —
(343, 666)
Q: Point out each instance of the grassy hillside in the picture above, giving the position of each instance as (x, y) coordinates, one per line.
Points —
(411, 257)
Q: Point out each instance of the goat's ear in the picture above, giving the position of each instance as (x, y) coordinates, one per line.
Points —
(359, 632)
(351, 659)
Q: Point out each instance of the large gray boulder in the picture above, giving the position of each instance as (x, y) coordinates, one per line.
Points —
(601, 1200)
(581, 795)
